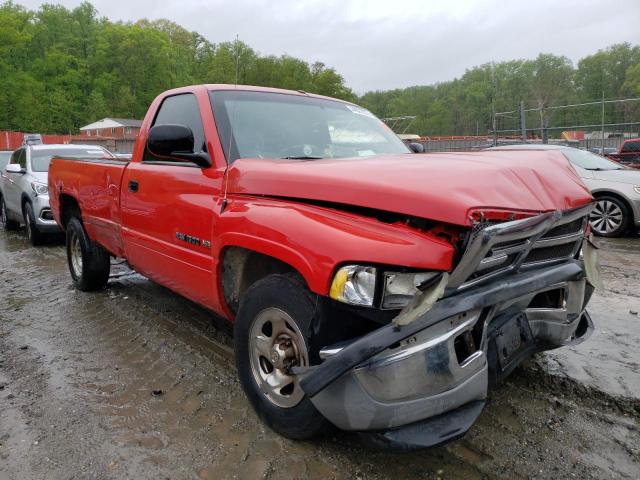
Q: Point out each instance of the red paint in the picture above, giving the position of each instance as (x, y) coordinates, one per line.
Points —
(273, 207)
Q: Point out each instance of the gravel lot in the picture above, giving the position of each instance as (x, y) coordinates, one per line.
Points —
(136, 382)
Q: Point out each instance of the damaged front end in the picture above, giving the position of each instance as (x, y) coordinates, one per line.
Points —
(422, 379)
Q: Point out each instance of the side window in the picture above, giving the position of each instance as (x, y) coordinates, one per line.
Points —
(181, 110)
(19, 157)
(631, 147)
(14, 156)
(22, 159)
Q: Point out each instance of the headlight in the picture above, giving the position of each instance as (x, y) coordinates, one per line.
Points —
(400, 288)
(354, 284)
(40, 188)
(636, 188)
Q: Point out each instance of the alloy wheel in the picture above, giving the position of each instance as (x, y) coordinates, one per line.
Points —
(27, 221)
(606, 217)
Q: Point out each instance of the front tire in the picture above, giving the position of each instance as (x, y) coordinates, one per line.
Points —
(610, 217)
(5, 222)
(272, 333)
(33, 234)
(89, 263)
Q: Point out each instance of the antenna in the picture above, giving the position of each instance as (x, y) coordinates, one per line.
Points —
(226, 169)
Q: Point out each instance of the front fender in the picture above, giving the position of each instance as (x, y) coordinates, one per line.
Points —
(315, 240)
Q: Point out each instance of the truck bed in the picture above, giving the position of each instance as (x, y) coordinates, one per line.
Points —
(95, 183)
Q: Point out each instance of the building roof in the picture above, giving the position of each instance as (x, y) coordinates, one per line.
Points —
(113, 123)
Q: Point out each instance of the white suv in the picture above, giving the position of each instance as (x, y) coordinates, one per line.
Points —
(24, 192)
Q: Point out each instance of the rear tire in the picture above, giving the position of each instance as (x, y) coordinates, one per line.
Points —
(277, 313)
(33, 234)
(89, 263)
(5, 222)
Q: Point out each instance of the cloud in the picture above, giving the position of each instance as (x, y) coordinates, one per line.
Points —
(379, 44)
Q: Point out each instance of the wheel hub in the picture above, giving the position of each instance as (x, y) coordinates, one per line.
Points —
(76, 256)
(276, 344)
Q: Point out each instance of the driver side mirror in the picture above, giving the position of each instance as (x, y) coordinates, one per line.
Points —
(175, 142)
(14, 168)
(416, 147)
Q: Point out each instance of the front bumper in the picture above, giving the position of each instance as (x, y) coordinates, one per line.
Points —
(398, 379)
(44, 217)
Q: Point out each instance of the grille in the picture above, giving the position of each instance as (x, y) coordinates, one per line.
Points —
(534, 242)
(549, 254)
(46, 214)
(566, 229)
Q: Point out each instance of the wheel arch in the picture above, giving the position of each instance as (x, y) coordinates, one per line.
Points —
(69, 208)
(241, 266)
(24, 199)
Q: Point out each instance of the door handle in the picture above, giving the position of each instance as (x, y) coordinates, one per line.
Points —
(133, 186)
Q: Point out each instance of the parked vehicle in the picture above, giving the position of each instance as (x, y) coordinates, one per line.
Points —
(32, 139)
(616, 189)
(628, 154)
(24, 195)
(370, 288)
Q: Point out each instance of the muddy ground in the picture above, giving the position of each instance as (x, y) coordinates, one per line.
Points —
(136, 382)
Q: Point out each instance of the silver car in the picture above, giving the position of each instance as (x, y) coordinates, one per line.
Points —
(615, 187)
(24, 192)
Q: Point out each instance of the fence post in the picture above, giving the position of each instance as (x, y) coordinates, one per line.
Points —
(522, 122)
(602, 122)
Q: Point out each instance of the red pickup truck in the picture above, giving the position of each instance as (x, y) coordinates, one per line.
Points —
(628, 154)
(371, 288)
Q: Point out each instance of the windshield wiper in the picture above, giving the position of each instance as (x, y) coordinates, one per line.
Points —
(302, 157)
(600, 169)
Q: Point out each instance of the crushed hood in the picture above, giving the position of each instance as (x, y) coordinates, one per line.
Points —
(444, 186)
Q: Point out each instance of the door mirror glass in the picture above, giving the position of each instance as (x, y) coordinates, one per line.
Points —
(175, 142)
(14, 168)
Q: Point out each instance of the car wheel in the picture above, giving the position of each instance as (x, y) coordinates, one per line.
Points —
(89, 263)
(34, 235)
(610, 217)
(5, 222)
(271, 336)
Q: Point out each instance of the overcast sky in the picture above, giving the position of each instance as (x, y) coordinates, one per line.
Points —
(383, 44)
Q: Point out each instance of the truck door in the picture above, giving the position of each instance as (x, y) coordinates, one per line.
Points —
(11, 184)
(168, 210)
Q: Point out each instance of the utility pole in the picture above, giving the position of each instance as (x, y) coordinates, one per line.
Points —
(523, 127)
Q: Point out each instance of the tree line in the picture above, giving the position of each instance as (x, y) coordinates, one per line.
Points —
(63, 68)
(465, 106)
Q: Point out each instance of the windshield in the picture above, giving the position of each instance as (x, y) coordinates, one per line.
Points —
(40, 159)
(589, 161)
(275, 125)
